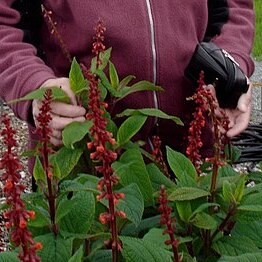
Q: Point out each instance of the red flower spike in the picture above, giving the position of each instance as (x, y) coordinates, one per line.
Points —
(17, 215)
(100, 139)
(166, 219)
(158, 155)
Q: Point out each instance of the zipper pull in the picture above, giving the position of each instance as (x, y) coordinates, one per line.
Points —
(229, 56)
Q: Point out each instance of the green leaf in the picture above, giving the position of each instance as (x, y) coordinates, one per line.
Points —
(135, 250)
(76, 78)
(156, 236)
(39, 172)
(140, 86)
(78, 256)
(203, 220)
(132, 169)
(132, 204)
(203, 207)
(228, 192)
(113, 75)
(75, 132)
(80, 219)
(251, 230)
(55, 248)
(106, 84)
(158, 178)
(9, 257)
(104, 58)
(150, 112)
(64, 207)
(145, 225)
(129, 128)
(56, 170)
(41, 216)
(234, 246)
(184, 210)
(101, 256)
(249, 257)
(187, 193)
(74, 186)
(57, 94)
(124, 82)
(239, 192)
(180, 164)
(252, 208)
(66, 159)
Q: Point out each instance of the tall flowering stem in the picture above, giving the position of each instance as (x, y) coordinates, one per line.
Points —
(48, 15)
(17, 216)
(158, 155)
(101, 140)
(44, 118)
(166, 219)
(196, 125)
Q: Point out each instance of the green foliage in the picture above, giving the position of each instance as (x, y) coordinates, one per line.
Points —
(211, 225)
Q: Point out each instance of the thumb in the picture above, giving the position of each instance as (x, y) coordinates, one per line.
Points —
(244, 101)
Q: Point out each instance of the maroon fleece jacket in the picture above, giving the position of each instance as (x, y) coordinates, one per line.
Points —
(151, 39)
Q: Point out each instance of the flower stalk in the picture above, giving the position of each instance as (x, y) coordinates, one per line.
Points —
(44, 118)
(16, 216)
(166, 219)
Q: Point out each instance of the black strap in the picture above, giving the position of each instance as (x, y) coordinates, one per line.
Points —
(218, 14)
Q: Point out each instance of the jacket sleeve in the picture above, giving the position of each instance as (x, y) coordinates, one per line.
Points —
(237, 34)
(21, 71)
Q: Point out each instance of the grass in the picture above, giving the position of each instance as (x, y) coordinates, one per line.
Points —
(257, 49)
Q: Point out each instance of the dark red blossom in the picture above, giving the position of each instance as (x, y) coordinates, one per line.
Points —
(167, 220)
(48, 15)
(16, 216)
(102, 141)
(197, 123)
(158, 155)
(44, 131)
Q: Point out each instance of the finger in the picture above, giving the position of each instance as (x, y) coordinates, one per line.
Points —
(63, 109)
(245, 100)
(241, 123)
(56, 142)
(59, 123)
(56, 134)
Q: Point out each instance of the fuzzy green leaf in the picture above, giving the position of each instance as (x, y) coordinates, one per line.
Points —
(39, 172)
(9, 257)
(203, 220)
(252, 208)
(57, 94)
(251, 230)
(249, 257)
(66, 159)
(187, 193)
(113, 75)
(55, 248)
(64, 207)
(140, 86)
(138, 250)
(80, 219)
(132, 169)
(228, 192)
(78, 256)
(132, 204)
(41, 216)
(150, 112)
(129, 128)
(75, 132)
(77, 81)
(101, 256)
(239, 192)
(234, 246)
(184, 210)
(180, 164)
(158, 178)
(74, 186)
(124, 82)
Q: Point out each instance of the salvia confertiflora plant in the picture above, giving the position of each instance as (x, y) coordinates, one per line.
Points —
(102, 197)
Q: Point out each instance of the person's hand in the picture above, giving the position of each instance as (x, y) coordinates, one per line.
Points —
(240, 116)
(62, 114)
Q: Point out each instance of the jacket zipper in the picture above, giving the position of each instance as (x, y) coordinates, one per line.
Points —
(153, 48)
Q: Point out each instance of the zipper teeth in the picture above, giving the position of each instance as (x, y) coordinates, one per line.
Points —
(153, 47)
